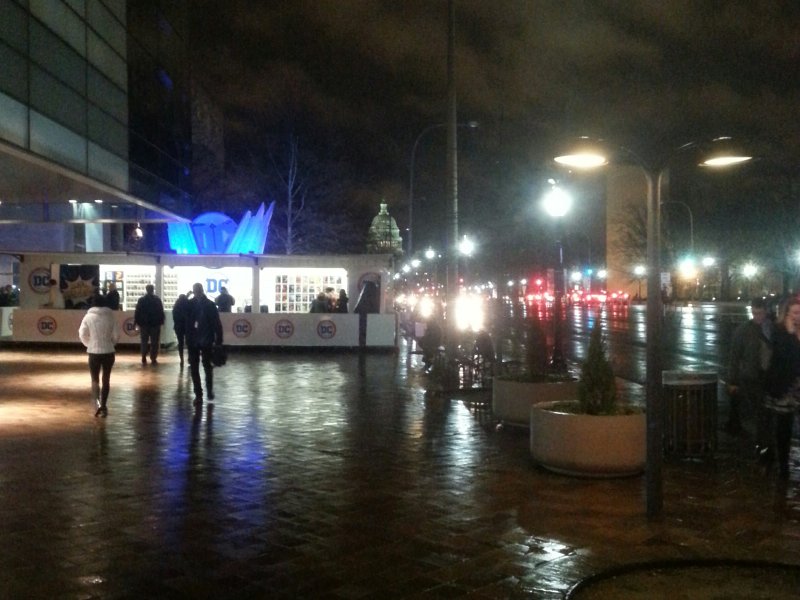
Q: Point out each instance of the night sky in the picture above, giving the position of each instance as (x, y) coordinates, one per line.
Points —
(357, 81)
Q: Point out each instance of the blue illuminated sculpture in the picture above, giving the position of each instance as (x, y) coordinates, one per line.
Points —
(217, 233)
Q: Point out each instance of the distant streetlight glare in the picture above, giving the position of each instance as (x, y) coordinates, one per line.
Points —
(557, 202)
(749, 270)
(466, 247)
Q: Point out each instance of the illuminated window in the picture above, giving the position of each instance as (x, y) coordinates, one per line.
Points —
(294, 293)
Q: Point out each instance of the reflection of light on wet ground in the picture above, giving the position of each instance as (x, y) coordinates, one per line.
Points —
(331, 475)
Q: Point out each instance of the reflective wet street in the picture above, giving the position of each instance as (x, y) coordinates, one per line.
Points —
(331, 475)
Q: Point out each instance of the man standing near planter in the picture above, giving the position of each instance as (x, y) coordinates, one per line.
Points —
(750, 353)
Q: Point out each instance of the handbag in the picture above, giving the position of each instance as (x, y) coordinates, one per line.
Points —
(219, 356)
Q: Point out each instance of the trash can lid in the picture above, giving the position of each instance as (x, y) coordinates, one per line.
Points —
(688, 377)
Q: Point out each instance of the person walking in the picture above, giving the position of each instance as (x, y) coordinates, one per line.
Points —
(750, 354)
(180, 313)
(149, 317)
(99, 332)
(203, 331)
(224, 300)
(783, 379)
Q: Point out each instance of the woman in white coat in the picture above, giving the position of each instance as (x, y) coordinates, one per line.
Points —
(99, 332)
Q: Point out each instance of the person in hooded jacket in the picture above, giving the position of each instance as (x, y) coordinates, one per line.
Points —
(99, 332)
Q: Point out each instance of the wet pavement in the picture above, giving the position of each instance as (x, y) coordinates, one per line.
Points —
(329, 475)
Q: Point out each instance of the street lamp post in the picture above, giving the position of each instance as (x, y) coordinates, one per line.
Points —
(654, 174)
(428, 129)
(557, 204)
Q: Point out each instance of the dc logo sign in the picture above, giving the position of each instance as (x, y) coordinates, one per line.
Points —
(284, 329)
(46, 325)
(242, 328)
(39, 280)
(129, 327)
(213, 285)
(326, 329)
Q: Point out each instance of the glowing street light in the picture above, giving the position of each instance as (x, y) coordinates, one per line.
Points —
(590, 154)
(466, 246)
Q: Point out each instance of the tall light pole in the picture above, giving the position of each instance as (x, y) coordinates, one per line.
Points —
(654, 172)
(557, 203)
(411, 163)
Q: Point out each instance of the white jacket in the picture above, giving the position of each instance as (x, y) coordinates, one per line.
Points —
(99, 330)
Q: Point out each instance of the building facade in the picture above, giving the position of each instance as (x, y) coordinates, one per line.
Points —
(95, 134)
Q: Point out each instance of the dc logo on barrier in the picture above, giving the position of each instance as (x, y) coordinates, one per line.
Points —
(242, 328)
(284, 329)
(326, 329)
(129, 327)
(46, 325)
(39, 280)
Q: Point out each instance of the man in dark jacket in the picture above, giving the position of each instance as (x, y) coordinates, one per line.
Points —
(224, 300)
(203, 331)
(749, 360)
(149, 317)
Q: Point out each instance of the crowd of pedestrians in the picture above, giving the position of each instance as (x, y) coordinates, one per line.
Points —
(197, 325)
(764, 380)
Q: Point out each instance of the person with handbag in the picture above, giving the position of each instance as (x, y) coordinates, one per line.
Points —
(203, 333)
(783, 379)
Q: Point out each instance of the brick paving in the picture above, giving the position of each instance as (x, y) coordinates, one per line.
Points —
(328, 475)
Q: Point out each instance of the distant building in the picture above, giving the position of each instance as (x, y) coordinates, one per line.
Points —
(384, 234)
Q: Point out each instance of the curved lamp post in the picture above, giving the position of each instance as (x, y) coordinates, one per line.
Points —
(592, 154)
(428, 129)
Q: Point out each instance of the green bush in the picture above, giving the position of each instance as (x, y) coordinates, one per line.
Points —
(597, 390)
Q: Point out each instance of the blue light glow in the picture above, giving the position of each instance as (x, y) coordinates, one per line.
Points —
(217, 233)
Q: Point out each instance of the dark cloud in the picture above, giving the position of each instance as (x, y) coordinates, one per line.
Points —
(362, 78)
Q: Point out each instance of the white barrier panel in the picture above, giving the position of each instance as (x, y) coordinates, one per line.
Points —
(50, 325)
(312, 330)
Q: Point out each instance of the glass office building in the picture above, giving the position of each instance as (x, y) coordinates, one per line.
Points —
(95, 133)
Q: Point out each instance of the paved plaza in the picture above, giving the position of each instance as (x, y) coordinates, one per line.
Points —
(328, 475)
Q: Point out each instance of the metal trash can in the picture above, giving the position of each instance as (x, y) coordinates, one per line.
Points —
(690, 413)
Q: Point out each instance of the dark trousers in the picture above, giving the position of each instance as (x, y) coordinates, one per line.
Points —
(195, 354)
(180, 335)
(98, 363)
(150, 336)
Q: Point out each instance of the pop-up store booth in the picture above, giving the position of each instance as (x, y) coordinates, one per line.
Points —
(273, 295)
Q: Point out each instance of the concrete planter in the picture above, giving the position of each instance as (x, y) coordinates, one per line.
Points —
(588, 445)
(512, 400)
